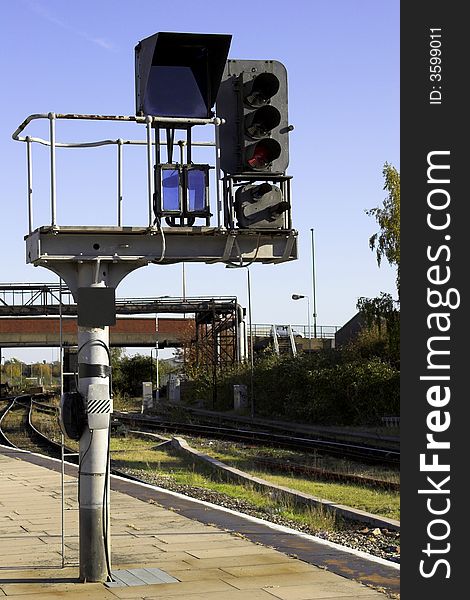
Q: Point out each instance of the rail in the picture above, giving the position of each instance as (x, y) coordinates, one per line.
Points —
(149, 142)
(304, 331)
(43, 298)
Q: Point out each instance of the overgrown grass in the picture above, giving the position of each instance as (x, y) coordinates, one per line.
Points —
(126, 403)
(244, 457)
(137, 454)
(373, 500)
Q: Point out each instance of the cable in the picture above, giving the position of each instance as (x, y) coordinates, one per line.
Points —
(104, 509)
(242, 264)
(157, 221)
(81, 461)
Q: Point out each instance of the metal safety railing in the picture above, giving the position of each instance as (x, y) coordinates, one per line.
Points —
(150, 142)
(322, 331)
(16, 298)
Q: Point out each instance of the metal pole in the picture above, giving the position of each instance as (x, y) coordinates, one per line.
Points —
(94, 451)
(149, 170)
(252, 398)
(94, 490)
(53, 180)
(157, 378)
(184, 282)
(217, 176)
(119, 182)
(309, 328)
(62, 440)
(30, 185)
(313, 288)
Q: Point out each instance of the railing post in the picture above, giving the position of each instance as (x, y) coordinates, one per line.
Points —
(217, 176)
(30, 184)
(119, 182)
(53, 177)
(149, 169)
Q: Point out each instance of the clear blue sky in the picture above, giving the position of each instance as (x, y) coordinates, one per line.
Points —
(342, 59)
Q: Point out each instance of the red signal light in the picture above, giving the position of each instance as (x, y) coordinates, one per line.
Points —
(263, 153)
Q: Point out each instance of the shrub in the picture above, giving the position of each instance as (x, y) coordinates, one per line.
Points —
(324, 388)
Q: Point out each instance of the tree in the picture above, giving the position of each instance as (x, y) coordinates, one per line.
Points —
(386, 242)
(382, 318)
(130, 371)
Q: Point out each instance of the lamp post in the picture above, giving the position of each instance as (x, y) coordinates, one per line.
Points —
(299, 297)
(313, 288)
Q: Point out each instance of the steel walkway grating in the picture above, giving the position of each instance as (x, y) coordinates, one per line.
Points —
(130, 577)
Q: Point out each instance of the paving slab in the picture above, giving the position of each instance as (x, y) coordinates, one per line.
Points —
(201, 560)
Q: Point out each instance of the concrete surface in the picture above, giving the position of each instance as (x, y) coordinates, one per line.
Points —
(206, 561)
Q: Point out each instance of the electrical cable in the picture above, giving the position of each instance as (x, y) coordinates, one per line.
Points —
(104, 509)
(81, 461)
(242, 264)
(157, 221)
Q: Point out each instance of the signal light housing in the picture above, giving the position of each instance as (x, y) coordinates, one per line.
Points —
(252, 100)
(260, 206)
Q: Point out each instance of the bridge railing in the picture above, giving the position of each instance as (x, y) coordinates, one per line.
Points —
(322, 331)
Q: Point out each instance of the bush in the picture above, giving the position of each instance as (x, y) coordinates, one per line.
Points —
(329, 388)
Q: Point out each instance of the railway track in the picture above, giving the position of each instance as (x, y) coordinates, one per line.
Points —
(18, 431)
(339, 434)
(354, 451)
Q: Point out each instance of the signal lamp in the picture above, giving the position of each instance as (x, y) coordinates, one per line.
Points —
(260, 206)
(260, 122)
(259, 156)
(261, 89)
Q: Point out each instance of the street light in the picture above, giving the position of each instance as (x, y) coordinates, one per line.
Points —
(299, 297)
(313, 288)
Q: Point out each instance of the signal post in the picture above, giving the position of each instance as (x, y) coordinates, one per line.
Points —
(252, 220)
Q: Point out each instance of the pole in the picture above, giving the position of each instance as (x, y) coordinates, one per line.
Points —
(94, 369)
(93, 363)
(62, 440)
(252, 397)
(309, 328)
(313, 288)
(157, 380)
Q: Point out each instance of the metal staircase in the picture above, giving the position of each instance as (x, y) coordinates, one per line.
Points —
(283, 340)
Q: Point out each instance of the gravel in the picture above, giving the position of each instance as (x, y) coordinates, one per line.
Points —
(379, 542)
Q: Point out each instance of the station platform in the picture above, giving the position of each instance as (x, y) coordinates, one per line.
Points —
(157, 552)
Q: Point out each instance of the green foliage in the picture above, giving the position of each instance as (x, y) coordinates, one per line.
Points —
(382, 336)
(130, 371)
(386, 242)
(330, 388)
